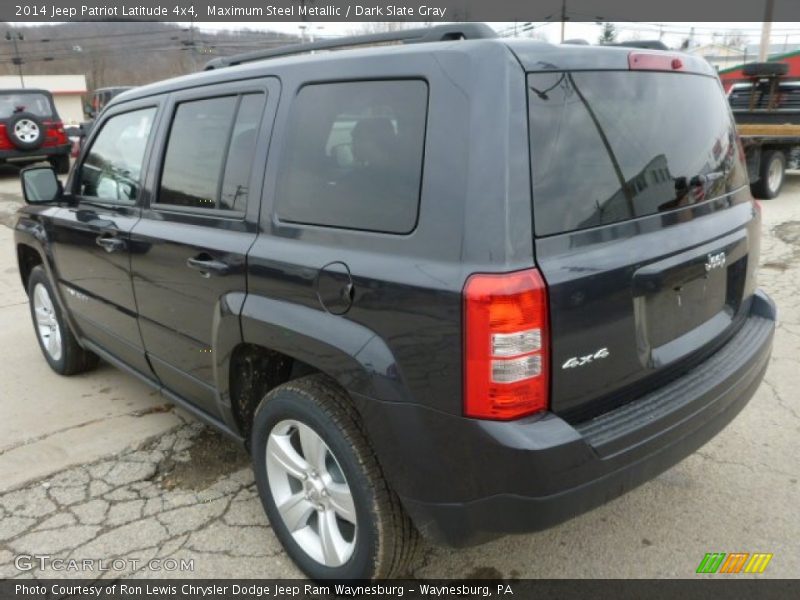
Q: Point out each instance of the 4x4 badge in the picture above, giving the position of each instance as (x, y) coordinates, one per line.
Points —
(579, 361)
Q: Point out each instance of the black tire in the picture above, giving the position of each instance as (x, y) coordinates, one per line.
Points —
(386, 541)
(765, 69)
(25, 144)
(61, 164)
(764, 188)
(73, 359)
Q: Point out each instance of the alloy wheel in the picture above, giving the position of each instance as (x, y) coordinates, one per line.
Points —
(311, 493)
(775, 175)
(27, 131)
(46, 322)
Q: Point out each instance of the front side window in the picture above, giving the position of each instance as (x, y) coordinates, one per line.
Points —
(354, 156)
(112, 169)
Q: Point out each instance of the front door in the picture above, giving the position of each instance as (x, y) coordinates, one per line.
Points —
(91, 244)
(198, 228)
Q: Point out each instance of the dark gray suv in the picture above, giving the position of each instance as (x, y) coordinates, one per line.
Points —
(461, 288)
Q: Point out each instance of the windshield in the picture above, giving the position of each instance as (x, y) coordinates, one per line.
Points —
(37, 104)
(607, 146)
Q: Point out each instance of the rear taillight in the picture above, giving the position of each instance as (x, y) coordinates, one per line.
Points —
(506, 345)
(5, 143)
(55, 133)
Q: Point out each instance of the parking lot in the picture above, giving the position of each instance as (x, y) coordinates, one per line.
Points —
(98, 466)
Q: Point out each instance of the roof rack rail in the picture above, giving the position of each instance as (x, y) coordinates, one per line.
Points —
(438, 33)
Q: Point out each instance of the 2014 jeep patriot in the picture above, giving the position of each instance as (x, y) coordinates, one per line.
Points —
(463, 288)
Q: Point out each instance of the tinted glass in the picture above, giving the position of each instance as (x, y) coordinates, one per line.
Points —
(354, 155)
(196, 152)
(112, 169)
(615, 145)
(236, 181)
(36, 104)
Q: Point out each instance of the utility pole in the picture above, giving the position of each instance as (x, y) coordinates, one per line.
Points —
(15, 37)
(192, 47)
(191, 44)
(766, 29)
(563, 18)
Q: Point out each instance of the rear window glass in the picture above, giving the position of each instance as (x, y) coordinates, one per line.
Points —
(36, 104)
(607, 146)
(354, 156)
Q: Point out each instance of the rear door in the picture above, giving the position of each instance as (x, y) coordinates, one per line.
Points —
(645, 230)
(91, 243)
(192, 241)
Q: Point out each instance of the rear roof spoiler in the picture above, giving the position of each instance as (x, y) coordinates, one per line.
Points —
(645, 44)
(439, 33)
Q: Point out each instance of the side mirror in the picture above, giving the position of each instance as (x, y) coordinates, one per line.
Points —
(40, 185)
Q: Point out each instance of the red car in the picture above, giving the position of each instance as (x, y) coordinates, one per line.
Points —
(31, 130)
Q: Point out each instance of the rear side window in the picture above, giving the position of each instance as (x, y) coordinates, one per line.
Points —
(209, 153)
(607, 146)
(354, 156)
(236, 180)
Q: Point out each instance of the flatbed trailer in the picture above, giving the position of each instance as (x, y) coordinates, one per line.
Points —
(766, 107)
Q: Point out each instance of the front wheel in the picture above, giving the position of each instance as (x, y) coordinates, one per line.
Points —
(59, 346)
(322, 487)
(771, 175)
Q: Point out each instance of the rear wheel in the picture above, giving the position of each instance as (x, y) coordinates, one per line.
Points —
(59, 346)
(772, 172)
(322, 487)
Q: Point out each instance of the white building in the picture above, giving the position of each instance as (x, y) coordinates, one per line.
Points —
(720, 57)
(68, 92)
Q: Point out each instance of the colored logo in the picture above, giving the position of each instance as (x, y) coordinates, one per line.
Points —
(735, 562)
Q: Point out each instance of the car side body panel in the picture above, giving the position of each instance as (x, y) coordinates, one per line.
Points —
(382, 313)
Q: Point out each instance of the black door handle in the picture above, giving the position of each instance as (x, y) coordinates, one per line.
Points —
(207, 265)
(110, 243)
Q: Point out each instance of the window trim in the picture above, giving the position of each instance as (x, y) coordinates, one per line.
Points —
(215, 213)
(75, 179)
(283, 222)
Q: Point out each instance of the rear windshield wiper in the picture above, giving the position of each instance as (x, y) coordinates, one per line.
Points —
(705, 178)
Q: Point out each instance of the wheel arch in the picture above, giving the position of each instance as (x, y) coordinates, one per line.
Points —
(281, 341)
(28, 258)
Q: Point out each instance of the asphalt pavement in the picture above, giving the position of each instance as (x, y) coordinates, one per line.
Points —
(99, 467)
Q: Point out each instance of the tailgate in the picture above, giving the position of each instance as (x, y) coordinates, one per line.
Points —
(645, 229)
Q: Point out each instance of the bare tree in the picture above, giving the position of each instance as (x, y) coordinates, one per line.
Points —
(383, 27)
(734, 39)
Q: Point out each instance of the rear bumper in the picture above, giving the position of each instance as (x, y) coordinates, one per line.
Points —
(42, 153)
(526, 475)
